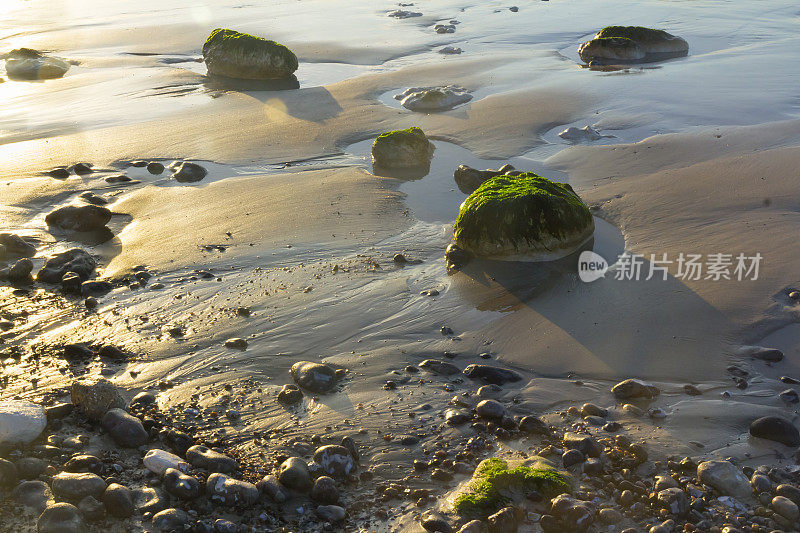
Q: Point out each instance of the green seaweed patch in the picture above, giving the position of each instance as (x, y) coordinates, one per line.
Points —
(635, 33)
(520, 209)
(495, 484)
(412, 135)
(232, 39)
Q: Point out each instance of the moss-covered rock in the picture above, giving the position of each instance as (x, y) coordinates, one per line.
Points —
(497, 483)
(524, 217)
(240, 55)
(402, 149)
(632, 43)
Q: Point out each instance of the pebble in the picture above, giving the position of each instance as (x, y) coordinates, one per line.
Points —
(270, 487)
(335, 460)
(35, 494)
(726, 478)
(84, 463)
(186, 172)
(777, 429)
(158, 461)
(789, 396)
(490, 409)
(95, 396)
(492, 374)
(325, 491)
(290, 395)
(331, 513)
(154, 167)
(179, 484)
(171, 520)
(456, 417)
(294, 474)
(236, 343)
(634, 388)
(533, 425)
(785, 507)
(73, 486)
(20, 422)
(61, 518)
(92, 509)
(434, 522)
(572, 458)
(8, 473)
(126, 430)
(118, 500)
(315, 377)
(437, 366)
(203, 457)
(231, 491)
(150, 499)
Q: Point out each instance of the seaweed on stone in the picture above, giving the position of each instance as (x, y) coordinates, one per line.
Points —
(228, 49)
(638, 34)
(495, 483)
(521, 210)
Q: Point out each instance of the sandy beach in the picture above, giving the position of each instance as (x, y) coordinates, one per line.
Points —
(293, 248)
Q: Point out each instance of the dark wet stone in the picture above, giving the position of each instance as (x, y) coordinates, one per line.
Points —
(492, 374)
(584, 443)
(79, 218)
(456, 417)
(335, 460)
(171, 521)
(179, 441)
(92, 198)
(325, 491)
(142, 400)
(92, 509)
(118, 179)
(456, 257)
(118, 500)
(61, 518)
(231, 491)
(34, 494)
(189, 172)
(109, 351)
(777, 429)
(76, 352)
(350, 444)
(294, 474)
(30, 467)
(74, 260)
(225, 526)
(571, 458)
(272, 489)
(203, 457)
(331, 513)
(84, 463)
(441, 475)
(772, 355)
(82, 169)
(72, 486)
(491, 409)
(315, 377)
(788, 491)
(789, 396)
(533, 426)
(59, 173)
(504, 520)
(20, 271)
(674, 500)
(437, 366)
(95, 288)
(290, 395)
(150, 499)
(71, 283)
(126, 430)
(14, 245)
(634, 388)
(154, 167)
(139, 163)
(179, 484)
(434, 522)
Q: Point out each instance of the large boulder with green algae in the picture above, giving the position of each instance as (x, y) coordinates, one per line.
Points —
(497, 483)
(524, 218)
(233, 54)
(402, 149)
(632, 43)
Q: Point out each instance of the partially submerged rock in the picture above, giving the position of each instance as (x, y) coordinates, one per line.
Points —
(29, 64)
(428, 99)
(496, 483)
(187, 172)
(402, 149)
(468, 179)
(12, 245)
(632, 43)
(525, 217)
(79, 218)
(233, 54)
(75, 260)
(315, 377)
(587, 133)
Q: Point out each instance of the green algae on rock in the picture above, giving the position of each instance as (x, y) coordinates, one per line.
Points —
(497, 483)
(632, 43)
(233, 54)
(402, 149)
(28, 64)
(524, 218)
